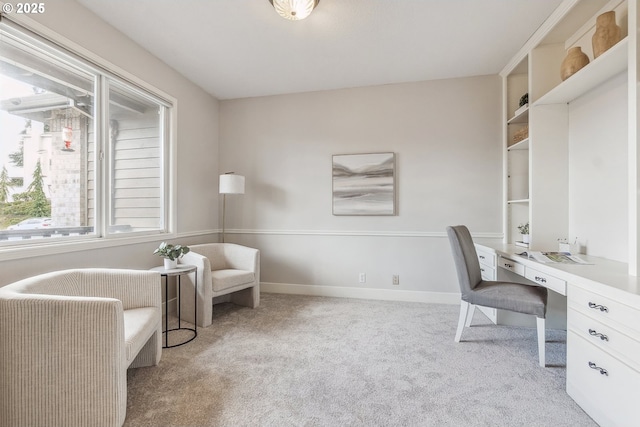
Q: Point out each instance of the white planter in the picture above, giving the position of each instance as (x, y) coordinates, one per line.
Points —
(525, 238)
(170, 264)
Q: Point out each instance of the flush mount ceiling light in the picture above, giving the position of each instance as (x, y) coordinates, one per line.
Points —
(294, 10)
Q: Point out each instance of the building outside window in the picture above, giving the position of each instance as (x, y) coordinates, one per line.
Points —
(83, 152)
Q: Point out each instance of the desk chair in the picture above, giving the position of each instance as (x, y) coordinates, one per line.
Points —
(501, 295)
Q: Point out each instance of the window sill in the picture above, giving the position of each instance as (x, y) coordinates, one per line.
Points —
(9, 253)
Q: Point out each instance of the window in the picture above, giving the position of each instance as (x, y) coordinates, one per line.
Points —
(81, 147)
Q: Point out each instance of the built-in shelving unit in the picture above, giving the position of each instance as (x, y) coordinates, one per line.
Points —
(577, 175)
(537, 168)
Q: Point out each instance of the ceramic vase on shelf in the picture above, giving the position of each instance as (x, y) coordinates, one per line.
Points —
(573, 62)
(607, 33)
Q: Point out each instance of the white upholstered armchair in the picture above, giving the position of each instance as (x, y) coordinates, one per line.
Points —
(66, 341)
(222, 269)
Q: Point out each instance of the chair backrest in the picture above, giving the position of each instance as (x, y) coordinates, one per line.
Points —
(464, 257)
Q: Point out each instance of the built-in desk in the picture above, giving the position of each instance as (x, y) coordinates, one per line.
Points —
(603, 327)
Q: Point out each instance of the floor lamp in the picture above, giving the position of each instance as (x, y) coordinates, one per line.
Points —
(230, 183)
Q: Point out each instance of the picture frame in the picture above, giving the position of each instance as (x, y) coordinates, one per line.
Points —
(364, 184)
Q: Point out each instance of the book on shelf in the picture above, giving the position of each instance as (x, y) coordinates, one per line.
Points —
(523, 244)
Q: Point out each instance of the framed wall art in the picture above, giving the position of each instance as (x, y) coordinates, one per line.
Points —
(364, 184)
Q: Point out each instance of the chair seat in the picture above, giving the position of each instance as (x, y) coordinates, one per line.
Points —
(139, 325)
(230, 278)
(509, 296)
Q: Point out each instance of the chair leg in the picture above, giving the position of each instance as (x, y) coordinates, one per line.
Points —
(464, 311)
(541, 340)
(472, 310)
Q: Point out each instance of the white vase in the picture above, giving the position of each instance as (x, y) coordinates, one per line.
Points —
(170, 264)
(525, 238)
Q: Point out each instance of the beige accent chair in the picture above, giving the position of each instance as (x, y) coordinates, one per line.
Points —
(66, 341)
(223, 269)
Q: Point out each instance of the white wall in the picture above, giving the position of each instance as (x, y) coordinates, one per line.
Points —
(197, 143)
(598, 165)
(446, 136)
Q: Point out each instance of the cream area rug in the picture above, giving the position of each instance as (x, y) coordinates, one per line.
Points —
(317, 361)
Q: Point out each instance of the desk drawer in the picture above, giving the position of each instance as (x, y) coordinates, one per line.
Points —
(487, 258)
(488, 273)
(604, 336)
(604, 387)
(511, 265)
(546, 280)
(604, 309)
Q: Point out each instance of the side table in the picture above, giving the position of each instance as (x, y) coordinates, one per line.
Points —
(178, 272)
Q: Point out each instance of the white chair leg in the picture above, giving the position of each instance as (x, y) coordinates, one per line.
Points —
(472, 310)
(464, 311)
(541, 340)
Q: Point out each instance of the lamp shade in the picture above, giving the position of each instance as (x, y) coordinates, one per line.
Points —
(294, 10)
(231, 183)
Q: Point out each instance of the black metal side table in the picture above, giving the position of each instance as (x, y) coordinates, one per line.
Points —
(178, 272)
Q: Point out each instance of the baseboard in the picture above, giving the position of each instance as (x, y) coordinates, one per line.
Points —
(362, 293)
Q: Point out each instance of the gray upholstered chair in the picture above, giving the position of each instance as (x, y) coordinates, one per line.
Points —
(495, 294)
(66, 341)
(223, 270)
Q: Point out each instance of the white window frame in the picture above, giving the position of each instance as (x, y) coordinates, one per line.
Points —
(40, 247)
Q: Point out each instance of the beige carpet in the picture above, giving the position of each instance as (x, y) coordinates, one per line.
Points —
(314, 361)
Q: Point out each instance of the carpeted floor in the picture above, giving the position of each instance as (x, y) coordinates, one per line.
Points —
(316, 361)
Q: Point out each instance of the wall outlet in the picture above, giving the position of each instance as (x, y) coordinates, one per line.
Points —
(362, 278)
(395, 279)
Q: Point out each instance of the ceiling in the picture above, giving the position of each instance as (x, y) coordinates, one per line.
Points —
(242, 48)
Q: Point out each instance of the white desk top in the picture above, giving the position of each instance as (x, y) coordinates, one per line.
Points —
(612, 274)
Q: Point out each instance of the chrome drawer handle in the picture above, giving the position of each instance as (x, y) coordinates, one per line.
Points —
(603, 337)
(508, 265)
(599, 307)
(597, 368)
(541, 279)
(481, 256)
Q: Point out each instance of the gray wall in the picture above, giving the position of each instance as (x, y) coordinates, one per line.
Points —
(446, 136)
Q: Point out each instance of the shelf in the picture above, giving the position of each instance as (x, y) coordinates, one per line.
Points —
(607, 65)
(523, 117)
(519, 201)
(520, 145)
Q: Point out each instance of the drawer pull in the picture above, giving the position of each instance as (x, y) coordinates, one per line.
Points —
(506, 264)
(603, 337)
(540, 279)
(597, 368)
(482, 269)
(598, 306)
(481, 256)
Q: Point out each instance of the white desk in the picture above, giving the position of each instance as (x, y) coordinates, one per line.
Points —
(603, 327)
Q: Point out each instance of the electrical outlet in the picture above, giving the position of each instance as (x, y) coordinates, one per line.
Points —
(396, 279)
(362, 278)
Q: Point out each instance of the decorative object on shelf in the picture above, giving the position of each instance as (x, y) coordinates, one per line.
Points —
(294, 10)
(575, 60)
(607, 33)
(364, 184)
(171, 254)
(230, 183)
(523, 103)
(524, 100)
(524, 231)
(521, 134)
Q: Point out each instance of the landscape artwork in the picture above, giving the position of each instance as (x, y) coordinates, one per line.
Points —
(364, 184)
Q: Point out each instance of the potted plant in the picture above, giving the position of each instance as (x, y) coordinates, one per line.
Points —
(171, 254)
(524, 230)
